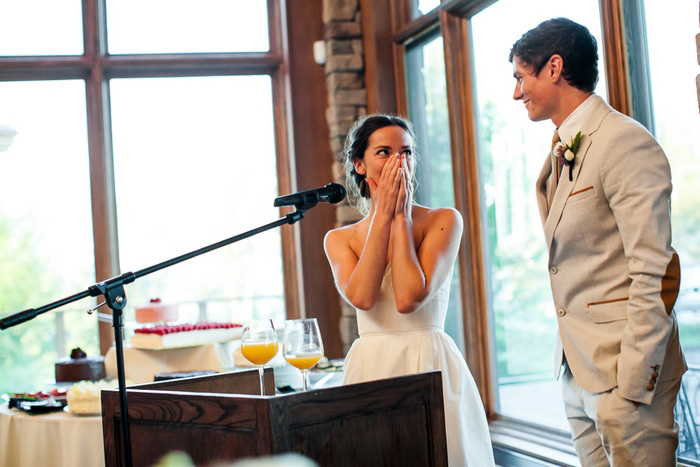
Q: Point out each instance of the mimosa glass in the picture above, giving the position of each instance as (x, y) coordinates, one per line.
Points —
(303, 347)
(259, 345)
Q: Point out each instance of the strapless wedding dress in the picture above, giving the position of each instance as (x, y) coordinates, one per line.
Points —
(394, 344)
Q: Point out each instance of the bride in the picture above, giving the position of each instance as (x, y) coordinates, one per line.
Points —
(395, 266)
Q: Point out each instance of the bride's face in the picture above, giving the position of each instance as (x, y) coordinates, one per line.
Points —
(382, 145)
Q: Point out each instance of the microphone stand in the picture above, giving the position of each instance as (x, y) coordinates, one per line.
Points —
(115, 298)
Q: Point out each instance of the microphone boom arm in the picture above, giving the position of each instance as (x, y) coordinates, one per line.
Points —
(102, 288)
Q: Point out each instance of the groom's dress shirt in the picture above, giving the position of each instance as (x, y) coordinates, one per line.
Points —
(613, 272)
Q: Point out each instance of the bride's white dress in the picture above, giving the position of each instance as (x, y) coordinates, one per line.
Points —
(394, 344)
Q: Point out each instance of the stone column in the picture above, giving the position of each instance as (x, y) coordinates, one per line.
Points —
(347, 100)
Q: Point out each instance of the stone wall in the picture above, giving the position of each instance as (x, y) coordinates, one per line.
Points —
(347, 100)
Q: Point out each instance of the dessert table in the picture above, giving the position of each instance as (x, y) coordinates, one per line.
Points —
(57, 439)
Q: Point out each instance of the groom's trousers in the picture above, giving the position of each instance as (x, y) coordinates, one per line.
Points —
(609, 430)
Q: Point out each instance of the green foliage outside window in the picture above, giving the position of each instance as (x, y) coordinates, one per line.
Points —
(28, 350)
(521, 300)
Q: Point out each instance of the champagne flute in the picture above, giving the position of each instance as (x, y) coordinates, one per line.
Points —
(259, 345)
(303, 347)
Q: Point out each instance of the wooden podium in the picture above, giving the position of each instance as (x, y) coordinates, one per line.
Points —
(391, 422)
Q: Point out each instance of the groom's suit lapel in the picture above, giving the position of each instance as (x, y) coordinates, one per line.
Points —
(565, 188)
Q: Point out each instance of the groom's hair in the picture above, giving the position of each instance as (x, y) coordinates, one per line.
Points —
(564, 37)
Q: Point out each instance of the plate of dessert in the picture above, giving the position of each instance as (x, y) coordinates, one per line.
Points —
(37, 402)
(57, 394)
(39, 406)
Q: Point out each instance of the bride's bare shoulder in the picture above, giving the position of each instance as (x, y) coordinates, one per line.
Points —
(431, 216)
(342, 235)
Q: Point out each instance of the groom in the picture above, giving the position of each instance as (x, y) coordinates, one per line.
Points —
(604, 198)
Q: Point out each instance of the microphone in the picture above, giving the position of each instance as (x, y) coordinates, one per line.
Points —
(331, 193)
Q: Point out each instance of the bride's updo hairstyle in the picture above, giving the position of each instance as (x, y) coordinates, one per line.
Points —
(356, 144)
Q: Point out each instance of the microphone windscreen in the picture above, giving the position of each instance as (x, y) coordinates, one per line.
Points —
(338, 193)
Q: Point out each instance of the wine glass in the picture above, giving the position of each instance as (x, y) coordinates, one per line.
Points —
(303, 347)
(259, 345)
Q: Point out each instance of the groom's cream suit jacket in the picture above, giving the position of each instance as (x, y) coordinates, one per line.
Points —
(613, 272)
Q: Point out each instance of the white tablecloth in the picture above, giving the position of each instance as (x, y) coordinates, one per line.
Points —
(141, 365)
(56, 439)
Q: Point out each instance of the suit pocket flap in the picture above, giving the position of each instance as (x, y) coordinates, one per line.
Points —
(582, 194)
(605, 312)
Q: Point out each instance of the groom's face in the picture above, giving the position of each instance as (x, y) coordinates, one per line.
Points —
(534, 89)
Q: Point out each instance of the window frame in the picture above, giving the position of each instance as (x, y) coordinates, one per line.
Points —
(96, 68)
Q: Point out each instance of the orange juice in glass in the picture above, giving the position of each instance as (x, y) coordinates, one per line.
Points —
(303, 347)
(259, 345)
(260, 354)
(304, 362)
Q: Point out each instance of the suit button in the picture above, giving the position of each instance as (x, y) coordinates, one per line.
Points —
(561, 312)
(650, 387)
(553, 270)
(654, 375)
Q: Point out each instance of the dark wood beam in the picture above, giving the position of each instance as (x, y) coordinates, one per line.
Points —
(313, 164)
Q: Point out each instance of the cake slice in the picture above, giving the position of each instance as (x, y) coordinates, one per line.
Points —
(84, 397)
(156, 312)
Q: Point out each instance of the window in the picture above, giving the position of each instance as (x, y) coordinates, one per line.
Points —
(425, 67)
(188, 166)
(676, 123)
(46, 247)
(215, 26)
(124, 161)
(32, 21)
(512, 150)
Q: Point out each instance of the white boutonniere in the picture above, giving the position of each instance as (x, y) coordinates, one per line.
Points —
(566, 152)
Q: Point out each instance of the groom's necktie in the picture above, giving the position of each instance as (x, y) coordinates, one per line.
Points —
(556, 170)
